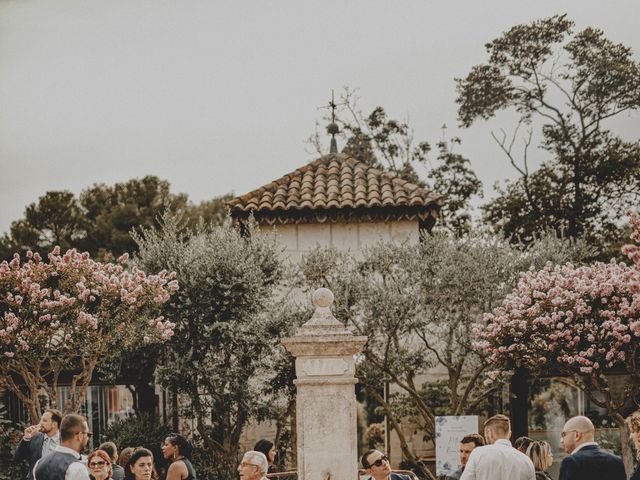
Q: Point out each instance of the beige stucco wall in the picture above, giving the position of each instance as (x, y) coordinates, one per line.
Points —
(352, 237)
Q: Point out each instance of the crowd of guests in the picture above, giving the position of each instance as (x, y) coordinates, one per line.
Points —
(495, 458)
(53, 449)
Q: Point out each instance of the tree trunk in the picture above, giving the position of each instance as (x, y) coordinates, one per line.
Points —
(519, 403)
(627, 452)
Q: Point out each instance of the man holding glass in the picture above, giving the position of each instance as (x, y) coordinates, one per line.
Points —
(64, 462)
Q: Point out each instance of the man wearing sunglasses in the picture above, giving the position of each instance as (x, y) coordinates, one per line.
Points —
(64, 462)
(376, 464)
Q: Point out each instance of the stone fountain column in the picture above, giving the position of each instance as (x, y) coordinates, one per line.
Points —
(326, 403)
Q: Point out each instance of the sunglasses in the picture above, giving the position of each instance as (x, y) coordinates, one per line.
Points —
(380, 461)
(100, 463)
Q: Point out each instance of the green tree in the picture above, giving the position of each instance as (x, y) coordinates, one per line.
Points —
(113, 212)
(418, 306)
(68, 314)
(102, 219)
(572, 83)
(55, 219)
(453, 177)
(211, 212)
(220, 361)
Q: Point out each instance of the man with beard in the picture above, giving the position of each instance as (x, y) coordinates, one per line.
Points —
(39, 440)
(377, 465)
(467, 444)
(64, 463)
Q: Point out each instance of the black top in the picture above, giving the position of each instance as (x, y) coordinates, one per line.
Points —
(540, 475)
(190, 469)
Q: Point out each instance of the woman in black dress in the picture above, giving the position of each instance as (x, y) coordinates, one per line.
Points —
(177, 449)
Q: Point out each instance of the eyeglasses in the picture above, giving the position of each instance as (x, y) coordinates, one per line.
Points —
(88, 434)
(245, 464)
(564, 433)
(380, 461)
(100, 463)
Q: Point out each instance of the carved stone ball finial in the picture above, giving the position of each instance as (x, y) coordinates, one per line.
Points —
(322, 297)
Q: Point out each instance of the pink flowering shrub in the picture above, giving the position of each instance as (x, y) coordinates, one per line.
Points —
(581, 321)
(71, 312)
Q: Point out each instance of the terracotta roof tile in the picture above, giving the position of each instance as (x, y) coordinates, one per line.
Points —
(335, 182)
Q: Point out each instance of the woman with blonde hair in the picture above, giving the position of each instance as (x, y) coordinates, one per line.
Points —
(542, 458)
(633, 422)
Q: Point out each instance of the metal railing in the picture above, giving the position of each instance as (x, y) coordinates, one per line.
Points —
(293, 474)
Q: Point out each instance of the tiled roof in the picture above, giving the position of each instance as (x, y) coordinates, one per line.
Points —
(336, 187)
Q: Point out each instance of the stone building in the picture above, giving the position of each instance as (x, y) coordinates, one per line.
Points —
(339, 201)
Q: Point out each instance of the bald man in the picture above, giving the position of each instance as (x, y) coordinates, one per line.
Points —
(586, 461)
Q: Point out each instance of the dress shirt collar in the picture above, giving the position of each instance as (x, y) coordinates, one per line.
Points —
(502, 441)
(585, 444)
(55, 438)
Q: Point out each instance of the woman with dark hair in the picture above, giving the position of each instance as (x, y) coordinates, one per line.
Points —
(177, 450)
(140, 465)
(269, 449)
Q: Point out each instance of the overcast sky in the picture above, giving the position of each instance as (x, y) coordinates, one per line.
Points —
(218, 96)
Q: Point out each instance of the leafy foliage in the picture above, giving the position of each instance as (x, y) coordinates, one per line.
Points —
(137, 431)
(581, 321)
(67, 314)
(573, 83)
(418, 305)
(226, 340)
(100, 221)
(9, 438)
(388, 144)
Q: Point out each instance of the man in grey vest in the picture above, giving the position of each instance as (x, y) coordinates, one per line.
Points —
(64, 462)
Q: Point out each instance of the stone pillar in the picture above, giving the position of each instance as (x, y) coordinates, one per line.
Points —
(326, 403)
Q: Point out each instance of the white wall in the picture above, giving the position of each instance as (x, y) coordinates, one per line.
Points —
(354, 237)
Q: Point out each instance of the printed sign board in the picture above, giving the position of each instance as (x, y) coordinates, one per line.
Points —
(449, 432)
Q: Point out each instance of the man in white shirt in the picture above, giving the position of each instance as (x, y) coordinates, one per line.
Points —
(498, 460)
(64, 463)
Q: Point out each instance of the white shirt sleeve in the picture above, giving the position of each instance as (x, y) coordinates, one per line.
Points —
(77, 471)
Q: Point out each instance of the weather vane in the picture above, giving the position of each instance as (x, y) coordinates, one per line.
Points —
(333, 128)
